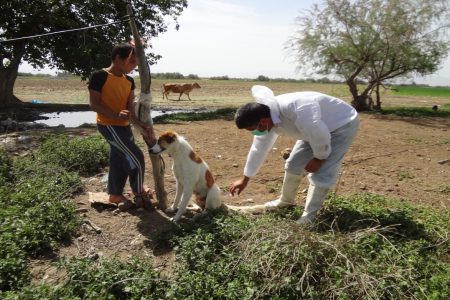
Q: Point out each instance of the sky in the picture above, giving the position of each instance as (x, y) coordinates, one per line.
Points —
(242, 39)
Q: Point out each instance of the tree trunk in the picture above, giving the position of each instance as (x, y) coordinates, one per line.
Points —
(378, 104)
(359, 102)
(144, 104)
(7, 79)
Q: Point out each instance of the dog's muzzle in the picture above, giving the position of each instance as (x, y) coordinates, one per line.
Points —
(156, 149)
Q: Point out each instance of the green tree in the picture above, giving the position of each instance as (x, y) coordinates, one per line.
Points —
(78, 52)
(262, 78)
(372, 41)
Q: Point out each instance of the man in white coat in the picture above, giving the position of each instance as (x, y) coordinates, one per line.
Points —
(324, 127)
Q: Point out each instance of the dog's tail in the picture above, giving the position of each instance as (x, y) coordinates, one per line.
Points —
(252, 209)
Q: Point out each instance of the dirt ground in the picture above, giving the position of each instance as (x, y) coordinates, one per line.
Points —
(402, 158)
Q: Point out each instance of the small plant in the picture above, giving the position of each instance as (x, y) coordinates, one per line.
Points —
(5, 167)
(402, 175)
(445, 190)
(35, 215)
(108, 279)
(86, 155)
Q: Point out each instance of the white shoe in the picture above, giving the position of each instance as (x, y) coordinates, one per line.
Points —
(306, 219)
(314, 200)
(288, 191)
(278, 204)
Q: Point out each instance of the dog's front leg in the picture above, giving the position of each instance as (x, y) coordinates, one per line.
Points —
(187, 193)
(178, 195)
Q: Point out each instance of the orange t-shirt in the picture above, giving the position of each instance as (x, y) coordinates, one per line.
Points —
(115, 92)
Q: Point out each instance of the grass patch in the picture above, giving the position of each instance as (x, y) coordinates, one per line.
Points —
(402, 175)
(443, 111)
(5, 167)
(363, 247)
(426, 91)
(222, 113)
(445, 190)
(86, 156)
(111, 279)
(36, 212)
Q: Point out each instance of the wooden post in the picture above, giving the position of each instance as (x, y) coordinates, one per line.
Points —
(143, 108)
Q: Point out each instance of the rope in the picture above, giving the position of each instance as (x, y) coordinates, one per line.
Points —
(65, 31)
(163, 165)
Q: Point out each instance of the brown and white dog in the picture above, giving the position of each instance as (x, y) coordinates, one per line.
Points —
(191, 173)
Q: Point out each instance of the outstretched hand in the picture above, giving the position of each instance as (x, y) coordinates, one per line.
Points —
(239, 185)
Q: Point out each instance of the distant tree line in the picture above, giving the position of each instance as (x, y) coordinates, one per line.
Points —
(174, 75)
(25, 74)
(177, 75)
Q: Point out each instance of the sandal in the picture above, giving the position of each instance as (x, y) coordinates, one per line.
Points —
(143, 201)
(123, 204)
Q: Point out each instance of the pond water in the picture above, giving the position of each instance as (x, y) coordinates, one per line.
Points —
(77, 118)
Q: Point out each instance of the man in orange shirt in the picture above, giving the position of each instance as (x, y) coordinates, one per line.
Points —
(111, 95)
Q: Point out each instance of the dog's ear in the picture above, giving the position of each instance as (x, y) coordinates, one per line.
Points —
(169, 136)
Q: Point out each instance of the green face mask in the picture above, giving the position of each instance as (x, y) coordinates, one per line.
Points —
(259, 132)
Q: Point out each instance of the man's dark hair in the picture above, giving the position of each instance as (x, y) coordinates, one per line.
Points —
(123, 50)
(250, 114)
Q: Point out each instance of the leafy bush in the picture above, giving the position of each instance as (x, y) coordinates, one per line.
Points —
(364, 247)
(34, 215)
(444, 111)
(224, 77)
(104, 280)
(168, 75)
(5, 167)
(13, 264)
(262, 78)
(86, 155)
(226, 113)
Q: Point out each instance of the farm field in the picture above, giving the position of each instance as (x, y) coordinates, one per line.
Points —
(405, 159)
(217, 93)
(393, 156)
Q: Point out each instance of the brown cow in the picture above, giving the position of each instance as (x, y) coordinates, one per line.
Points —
(183, 88)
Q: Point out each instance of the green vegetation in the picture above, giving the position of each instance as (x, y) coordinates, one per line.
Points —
(224, 113)
(105, 280)
(5, 167)
(174, 75)
(364, 247)
(402, 175)
(443, 111)
(427, 91)
(397, 43)
(36, 212)
(445, 190)
(72, 154)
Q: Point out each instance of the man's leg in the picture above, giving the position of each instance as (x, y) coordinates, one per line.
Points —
(314, 201)
(118, 165)
(289, 189)
(326, 177)
(294, 172)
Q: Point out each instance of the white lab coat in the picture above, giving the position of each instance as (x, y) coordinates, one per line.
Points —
(307, 116)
